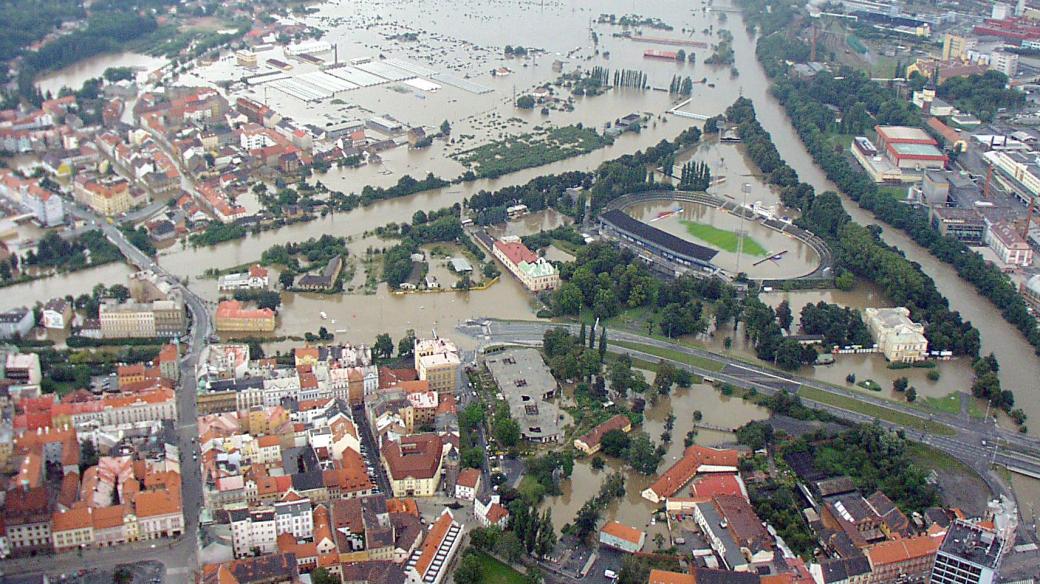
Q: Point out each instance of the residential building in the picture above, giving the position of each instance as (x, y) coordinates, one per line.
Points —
(72, 529)
(589, 443)
(902, 560)
(734, 532)
(969, 554)
(956, 47)
(22, 368)
(622, 537)
(109, 197)
(467, 484)
(253, 531)
(276, 568)
(429, 563)
(437, 361)
(534, 272)
(57, 314)
(413, 465)
(256, 278)
(490, 511)
(27, 521)
(16, 322)
(1005, 62)
(232, 317)
(696, 459)
(161, 318)
(900, 339)
(323, 281)
(527, 384)
(852, 570)
(1008, 244)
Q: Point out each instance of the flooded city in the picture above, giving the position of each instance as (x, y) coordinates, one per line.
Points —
(463, 77)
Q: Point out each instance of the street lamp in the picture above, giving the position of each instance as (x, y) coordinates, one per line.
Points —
(745, 189)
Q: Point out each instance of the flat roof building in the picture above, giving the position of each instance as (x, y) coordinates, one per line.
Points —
(969, 554)
(525, 381)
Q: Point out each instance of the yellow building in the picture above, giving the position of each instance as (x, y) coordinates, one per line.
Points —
(108, 197)
(437, 361)
(231, 317)
(413, 465)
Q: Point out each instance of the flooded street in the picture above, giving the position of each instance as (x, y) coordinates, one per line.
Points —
(634, 510)
(74, 283)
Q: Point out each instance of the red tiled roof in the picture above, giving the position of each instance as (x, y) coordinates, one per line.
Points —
(683, 470)
(624, 532)
(516, 252)
(468, 478)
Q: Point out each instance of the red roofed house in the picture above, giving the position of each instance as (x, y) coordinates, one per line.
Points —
(696, 459)
(490, 511)
(907, 559)
(590, 442)
(467, 483)
(622, 537)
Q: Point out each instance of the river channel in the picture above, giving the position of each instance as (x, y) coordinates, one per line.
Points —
(468, 32)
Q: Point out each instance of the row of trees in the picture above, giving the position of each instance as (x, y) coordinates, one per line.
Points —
(695, 176)
(839, 325)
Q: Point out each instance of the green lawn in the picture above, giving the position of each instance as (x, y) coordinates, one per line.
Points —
(672, 354)
(723, 239)
(929, 458)
(874, 411)
(493, 571)
(950, 403)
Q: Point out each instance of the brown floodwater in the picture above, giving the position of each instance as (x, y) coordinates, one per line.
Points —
(74, 75)
(466, 38)
(634, 510)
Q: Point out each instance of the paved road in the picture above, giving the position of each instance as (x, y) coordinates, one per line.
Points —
(978, 443)
(180, 555)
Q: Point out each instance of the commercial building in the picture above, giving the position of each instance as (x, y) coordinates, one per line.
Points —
(622, 537)
(589, 443)
(534, 272)
(877, 166)
(413, 465)
(900, 339)
(16, 322)
(527, 384)
(232, 317)
(969, 554)
(1008, 244)
(674, 249)
(909, 148)
(437, 361)
(964, 224)
(162, 318)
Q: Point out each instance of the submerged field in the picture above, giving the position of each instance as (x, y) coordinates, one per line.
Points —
(723, 239)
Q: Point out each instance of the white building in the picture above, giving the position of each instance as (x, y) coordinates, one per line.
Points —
(16, 322)
(253, 530)
(255, 279)
(1006, 63)
(969, 554)
(294, 517)
(1008, 244)
(899, 338)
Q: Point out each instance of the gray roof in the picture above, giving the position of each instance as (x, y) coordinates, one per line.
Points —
(524, 379)
(732, 555)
